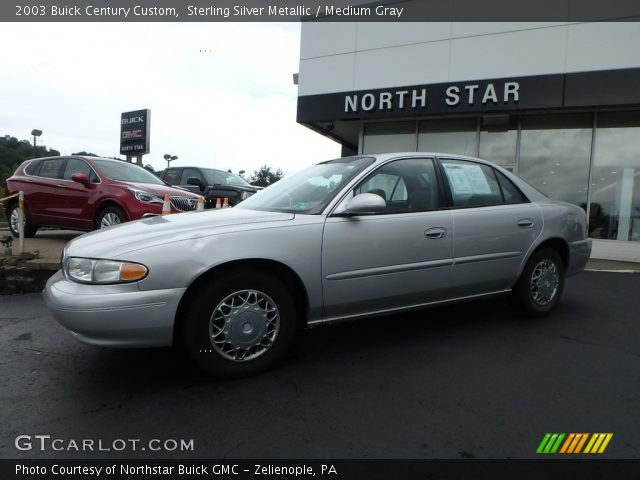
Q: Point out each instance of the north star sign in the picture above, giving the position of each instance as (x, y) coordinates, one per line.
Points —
(469, 94)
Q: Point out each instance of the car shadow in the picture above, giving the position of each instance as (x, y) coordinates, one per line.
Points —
(331, 348)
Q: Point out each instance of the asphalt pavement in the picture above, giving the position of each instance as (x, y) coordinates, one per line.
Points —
(467, 381)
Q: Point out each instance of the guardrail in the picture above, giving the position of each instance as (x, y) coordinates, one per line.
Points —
(20, 196)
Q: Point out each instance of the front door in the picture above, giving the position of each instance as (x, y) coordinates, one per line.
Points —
(400, 257)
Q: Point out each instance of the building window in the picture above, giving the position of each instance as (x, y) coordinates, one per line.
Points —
(614, 212)
(389, 137)
(456, 136)
(555, 152)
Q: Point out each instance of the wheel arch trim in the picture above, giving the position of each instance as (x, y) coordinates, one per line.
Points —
(279, 269)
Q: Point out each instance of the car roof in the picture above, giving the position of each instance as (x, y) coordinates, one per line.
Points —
(198, 167)
(383, 157)
(84, 157)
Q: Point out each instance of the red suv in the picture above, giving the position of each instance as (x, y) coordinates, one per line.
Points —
(86, 193)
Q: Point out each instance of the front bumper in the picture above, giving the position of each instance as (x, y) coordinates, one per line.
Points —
(579, 253)
(113, 315)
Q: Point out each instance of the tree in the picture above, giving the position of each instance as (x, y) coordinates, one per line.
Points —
(85, 154)
(149, 167)
(265, 177)
(12, 153)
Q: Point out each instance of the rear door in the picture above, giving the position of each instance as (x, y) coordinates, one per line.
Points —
(494, 225)
(47, 199)
(399, 258)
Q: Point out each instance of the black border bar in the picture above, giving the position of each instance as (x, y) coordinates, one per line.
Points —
(583, 469)
(319, 10)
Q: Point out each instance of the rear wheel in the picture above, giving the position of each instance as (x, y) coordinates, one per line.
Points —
(540, 286)
(29, 229)
(241, 324)
(109, 216)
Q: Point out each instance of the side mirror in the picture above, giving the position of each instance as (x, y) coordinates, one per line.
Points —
(81, 178)
(366, 204)
(197, 182)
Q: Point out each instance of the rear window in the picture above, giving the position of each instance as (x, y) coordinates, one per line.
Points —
(51, 168)
(32, 167)
(511, 193)
(172, 177)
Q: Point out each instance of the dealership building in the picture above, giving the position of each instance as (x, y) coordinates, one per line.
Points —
(556, 103)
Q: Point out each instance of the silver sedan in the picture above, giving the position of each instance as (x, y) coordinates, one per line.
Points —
(343, 239)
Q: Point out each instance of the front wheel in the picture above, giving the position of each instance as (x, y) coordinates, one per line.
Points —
(111, 216)
(540, 286)
(241, 324)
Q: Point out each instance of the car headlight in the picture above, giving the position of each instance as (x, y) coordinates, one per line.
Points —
(245, 195)
(145, 197)
(89, 270)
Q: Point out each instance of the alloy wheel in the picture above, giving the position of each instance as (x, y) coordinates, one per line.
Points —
(109, 219)
(14, 220)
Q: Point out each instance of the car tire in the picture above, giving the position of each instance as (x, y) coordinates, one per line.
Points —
(29, 229)
(229, 342)
(540, 286)
(109, 216)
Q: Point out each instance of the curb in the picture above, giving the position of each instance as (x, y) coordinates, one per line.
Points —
(29, 277)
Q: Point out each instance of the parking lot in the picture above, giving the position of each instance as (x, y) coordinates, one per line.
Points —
(469, 381)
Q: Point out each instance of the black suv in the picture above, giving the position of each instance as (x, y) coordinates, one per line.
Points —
(210, 183)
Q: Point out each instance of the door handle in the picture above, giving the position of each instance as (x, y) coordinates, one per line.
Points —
(435, 233)
(61, 185)
(525, 222)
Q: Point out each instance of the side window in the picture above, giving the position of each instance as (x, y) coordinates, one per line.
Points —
(172, 176)
(51, 168)
(472, 184)
(188, 173)
(76, 166)
(405, 185)
(510, 192)
(389, 187)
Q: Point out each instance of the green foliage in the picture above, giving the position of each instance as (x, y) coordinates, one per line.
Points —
(12, 153)
(85, 154)
(265, 177)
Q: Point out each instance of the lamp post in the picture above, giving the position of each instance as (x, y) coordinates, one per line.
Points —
(36, 133)
(169, 158)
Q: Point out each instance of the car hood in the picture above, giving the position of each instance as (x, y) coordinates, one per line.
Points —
(121, 239)
(160, 190)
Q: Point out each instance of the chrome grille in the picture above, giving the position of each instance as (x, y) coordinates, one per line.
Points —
(184, 204)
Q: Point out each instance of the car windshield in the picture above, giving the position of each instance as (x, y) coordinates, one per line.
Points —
(218, 177)
(310, 190)
(126, 172)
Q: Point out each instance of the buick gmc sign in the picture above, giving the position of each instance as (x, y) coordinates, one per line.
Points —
(134, 132)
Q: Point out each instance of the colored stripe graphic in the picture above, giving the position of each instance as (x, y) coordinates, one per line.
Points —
(598, 442)
(551, 443)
